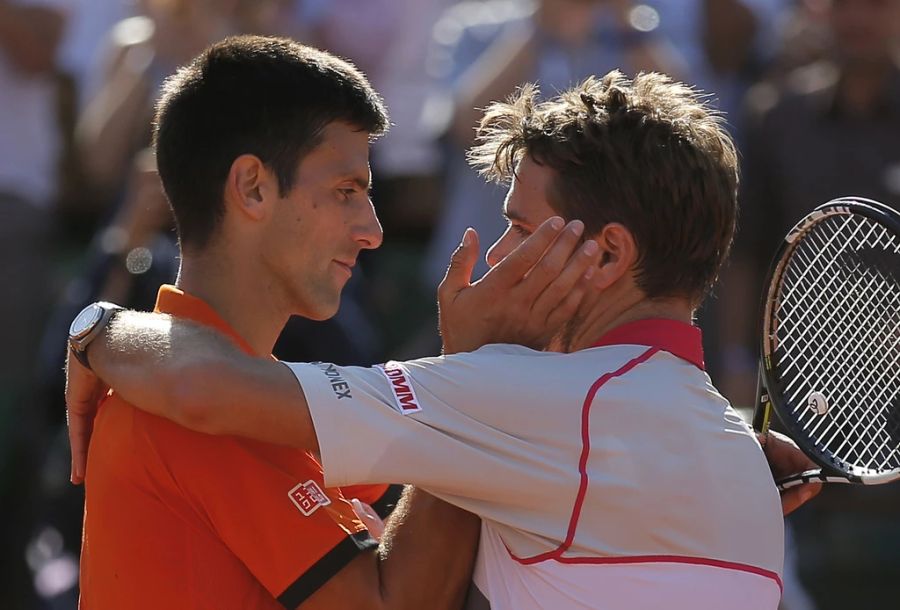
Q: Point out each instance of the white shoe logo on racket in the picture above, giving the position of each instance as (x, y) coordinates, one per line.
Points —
(816, 402)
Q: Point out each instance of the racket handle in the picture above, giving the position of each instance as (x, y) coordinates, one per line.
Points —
(762, 409)
(809, 476)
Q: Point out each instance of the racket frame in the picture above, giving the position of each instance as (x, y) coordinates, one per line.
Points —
(768, 401)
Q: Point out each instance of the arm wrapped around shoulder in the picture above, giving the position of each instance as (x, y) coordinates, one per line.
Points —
(199, 379)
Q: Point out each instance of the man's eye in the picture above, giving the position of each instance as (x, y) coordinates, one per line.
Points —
(521, 231)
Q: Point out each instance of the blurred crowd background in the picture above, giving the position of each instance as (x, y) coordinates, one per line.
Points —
(810, 90)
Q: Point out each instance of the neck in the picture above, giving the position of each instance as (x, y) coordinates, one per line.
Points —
(239, 292)
(619, 309)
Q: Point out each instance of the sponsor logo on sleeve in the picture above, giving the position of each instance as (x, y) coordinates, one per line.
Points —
(339, 385)
(308, 497)
(399, 380)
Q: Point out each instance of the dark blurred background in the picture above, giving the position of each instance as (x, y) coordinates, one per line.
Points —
(810, 90)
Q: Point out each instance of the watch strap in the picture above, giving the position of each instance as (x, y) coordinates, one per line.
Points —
(80, 356)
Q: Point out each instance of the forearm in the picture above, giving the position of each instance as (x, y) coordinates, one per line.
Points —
(424, 560)
(130, 352)
(201, 380)
(29, 35)
(427, 553)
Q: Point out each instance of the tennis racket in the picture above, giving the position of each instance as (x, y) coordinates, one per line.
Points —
(830, 353)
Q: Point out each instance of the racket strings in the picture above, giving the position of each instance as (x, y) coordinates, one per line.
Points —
(832, 351)
(837, 335)
(801, 272)
(854, 418)
(823, 350)
(836, 279)
(869, 453)
(874, 452)
(868, 446)
(870, 344)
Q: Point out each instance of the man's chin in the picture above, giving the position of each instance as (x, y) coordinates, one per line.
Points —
(319, 312)
(325, 313)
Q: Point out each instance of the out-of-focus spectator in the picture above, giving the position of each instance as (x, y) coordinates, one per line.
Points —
(818, 132)
(359, 30)
(79, 206)
(832, 128)
(725, 44)
(803, 38)
(407, 160)
(81, 51)
(142, 52)
(484, 50)
(30, 33)
(389, 41)
(829, 129)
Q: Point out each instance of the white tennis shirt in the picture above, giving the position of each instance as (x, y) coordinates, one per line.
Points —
(615, 477)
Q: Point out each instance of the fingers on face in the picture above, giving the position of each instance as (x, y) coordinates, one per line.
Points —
(520, 261)
(549, 267)
(566, 310)
(560, 299)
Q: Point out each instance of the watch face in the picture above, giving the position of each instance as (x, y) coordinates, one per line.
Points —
(85, 321)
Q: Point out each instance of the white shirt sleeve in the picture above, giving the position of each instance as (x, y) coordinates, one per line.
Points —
(472, 428)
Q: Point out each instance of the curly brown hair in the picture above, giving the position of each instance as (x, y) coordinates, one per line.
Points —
(647, 153)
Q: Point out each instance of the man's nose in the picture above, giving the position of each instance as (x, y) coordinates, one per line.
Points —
(370, 234)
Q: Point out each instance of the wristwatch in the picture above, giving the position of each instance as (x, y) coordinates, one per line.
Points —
(87, 325)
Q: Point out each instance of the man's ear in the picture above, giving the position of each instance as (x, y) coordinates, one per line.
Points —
(249, 187)
(618, 253)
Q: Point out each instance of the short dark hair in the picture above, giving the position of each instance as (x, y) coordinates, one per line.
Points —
(647, 153)
(270, 97)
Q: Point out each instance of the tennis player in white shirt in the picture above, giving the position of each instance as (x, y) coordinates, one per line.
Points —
(607, 469)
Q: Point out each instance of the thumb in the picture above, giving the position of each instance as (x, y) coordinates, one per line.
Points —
(462, 264)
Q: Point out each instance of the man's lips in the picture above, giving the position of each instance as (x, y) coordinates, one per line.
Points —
(345, 265)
